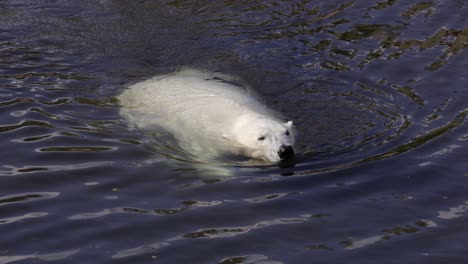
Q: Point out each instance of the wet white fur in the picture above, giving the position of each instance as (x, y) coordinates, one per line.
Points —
(207, 114)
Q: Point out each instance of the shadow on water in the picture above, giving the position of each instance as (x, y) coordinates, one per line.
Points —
(377, 91)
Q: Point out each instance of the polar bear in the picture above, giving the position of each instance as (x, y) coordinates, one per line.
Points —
(209, 114)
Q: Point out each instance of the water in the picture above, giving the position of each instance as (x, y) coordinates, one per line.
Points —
(377, 91)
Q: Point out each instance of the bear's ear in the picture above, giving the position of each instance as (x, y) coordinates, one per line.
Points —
(226, 136)
(289, 124)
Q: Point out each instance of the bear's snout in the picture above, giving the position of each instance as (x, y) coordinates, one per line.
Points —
(286, 152)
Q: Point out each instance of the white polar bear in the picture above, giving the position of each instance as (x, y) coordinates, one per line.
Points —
(209, 114)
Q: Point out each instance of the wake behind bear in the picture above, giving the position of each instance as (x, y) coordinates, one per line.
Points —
(209, 115)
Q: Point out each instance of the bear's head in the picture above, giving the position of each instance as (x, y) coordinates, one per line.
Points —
(264, 138)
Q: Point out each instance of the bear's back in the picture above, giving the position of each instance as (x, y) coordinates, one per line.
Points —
(190, 98)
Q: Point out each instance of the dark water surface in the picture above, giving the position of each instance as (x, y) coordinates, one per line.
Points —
(377, 90)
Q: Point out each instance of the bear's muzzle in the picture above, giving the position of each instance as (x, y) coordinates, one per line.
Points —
(286, 152)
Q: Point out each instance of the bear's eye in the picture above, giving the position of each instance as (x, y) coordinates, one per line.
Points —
(261, 138)
(286, 133)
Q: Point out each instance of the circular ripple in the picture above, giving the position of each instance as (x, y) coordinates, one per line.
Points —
(333, 122)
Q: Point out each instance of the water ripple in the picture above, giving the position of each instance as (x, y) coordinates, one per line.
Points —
(26, 123)
(77, 149)
(265, 198)
(44, 257)
(27, 197)
(140, 250)
(13, 170)
(14, 219)
(249, 259)
(390, 233)
(189, 204)
(454, 212)
(212, 233)
(414, 143)
(235, 231)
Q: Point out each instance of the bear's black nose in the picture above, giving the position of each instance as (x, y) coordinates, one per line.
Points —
(286, 152)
